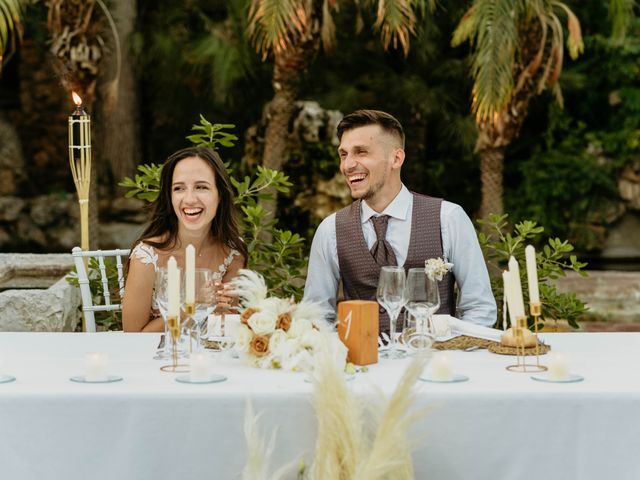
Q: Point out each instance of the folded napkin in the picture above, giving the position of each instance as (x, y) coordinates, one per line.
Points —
(214, 325)
(447, 327)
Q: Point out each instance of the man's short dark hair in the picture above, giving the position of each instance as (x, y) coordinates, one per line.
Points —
(361, 118)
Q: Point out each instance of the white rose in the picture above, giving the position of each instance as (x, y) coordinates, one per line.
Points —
(264, 362)
(300, 362)
(243, 338)
(299, 327)
(277, 341)
(311, 339)
(262, 323)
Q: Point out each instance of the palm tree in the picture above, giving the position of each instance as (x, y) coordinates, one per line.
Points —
(517, 53)
(11, 29)
(292, 31)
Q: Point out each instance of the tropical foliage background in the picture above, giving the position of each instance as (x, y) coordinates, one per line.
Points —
(528, 107)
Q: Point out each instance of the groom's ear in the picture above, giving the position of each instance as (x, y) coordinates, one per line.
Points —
(398, 158)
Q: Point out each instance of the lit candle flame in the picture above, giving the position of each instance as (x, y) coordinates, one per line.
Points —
(76, 98)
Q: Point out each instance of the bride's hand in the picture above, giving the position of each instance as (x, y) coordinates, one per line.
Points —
(226, 301)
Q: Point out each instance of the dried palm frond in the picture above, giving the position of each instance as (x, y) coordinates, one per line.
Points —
(76, 43)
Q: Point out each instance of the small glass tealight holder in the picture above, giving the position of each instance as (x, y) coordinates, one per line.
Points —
(558, 370)
(96, 364)
(441, 368)
(442, 371)
(4, 377)
(558, 367)
(200, 370)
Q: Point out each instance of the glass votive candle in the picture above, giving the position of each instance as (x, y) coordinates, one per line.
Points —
(200, 370)
(558, 367)
(441, 369)
(96, 367)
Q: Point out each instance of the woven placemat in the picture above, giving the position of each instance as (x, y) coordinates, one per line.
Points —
(462, 343)
(502, 350)
(216, 344)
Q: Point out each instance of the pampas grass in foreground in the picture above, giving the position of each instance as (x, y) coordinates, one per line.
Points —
(341, 440)
(390, 453)
(258, 452)
(347, 446)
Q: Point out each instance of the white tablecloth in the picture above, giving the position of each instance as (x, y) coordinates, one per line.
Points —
(498, 425)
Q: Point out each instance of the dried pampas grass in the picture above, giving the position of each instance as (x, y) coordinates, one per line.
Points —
(340, 439)
(258, 452)
(390, 453)
(354, 441)
(250, 287)
(348, 448)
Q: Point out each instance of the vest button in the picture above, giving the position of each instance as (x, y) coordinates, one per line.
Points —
(382, 310)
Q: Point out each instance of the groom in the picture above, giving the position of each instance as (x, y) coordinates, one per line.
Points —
(389, 225)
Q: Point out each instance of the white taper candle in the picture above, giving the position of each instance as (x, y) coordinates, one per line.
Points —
(532, 274)
(518, 302)
(173, 287)
(509, 293)
(190, 275)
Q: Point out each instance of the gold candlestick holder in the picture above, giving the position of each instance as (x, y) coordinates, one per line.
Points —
(173, 326)
(536, 309)
(190, 326)
(522, 365)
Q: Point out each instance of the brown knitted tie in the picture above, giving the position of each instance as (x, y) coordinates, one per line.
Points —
(381, 250)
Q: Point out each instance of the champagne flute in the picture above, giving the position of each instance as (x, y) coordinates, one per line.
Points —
(423, 299)
(204, 297)
(161, 302)
(391, 295)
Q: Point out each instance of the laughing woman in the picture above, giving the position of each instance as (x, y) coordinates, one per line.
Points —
(195, 206)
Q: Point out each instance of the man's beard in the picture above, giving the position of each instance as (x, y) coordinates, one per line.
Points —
(372, 191)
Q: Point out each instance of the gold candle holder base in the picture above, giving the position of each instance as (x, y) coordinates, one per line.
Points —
(173, 325)
(190, 326)
(177, 368)
(521, 365)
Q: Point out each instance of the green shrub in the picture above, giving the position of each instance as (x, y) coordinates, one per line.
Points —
(501, 241)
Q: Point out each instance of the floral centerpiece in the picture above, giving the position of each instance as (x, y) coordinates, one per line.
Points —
(280, 333)
(436, 268)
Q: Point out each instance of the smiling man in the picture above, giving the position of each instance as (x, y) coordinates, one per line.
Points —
(389, 225)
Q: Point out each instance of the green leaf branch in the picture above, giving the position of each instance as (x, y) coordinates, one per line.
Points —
(500, 241)
(281, 261)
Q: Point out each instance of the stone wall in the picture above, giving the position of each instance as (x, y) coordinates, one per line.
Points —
(612, 297)
(54, 308)
(50, 223)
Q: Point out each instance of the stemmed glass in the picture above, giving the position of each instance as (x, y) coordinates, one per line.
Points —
(423, 299)
(391, 295)
(204, 298)
(161, 300)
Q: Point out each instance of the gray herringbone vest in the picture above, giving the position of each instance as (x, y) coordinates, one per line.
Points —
(358, 269)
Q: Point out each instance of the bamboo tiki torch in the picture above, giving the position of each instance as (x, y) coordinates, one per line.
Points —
(80, 160)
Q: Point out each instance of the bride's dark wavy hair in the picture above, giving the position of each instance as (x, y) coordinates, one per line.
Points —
(164, 222)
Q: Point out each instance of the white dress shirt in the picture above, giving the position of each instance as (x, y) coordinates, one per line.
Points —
(460, 247)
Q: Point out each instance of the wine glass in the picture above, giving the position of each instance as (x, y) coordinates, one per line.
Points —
(204, 299)
(391, 295)
(423, 298)
(161, 301)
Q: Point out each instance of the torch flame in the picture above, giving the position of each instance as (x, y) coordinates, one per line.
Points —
(76, 98)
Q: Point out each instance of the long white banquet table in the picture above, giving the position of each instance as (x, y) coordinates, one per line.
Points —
(498, 425)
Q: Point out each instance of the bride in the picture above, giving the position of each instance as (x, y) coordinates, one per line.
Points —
(195, 206)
